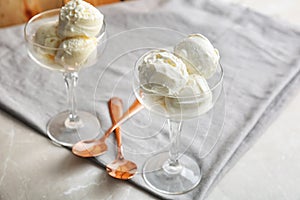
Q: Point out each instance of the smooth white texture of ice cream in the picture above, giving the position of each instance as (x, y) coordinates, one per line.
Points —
(46, 36)
(194, 98)
(162, 73)
(74, 52)
(70, 43)
(79, 18)
(198, 54)
(195, 86)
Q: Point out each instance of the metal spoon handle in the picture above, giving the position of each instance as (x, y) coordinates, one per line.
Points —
(115, 105)
(133, 109)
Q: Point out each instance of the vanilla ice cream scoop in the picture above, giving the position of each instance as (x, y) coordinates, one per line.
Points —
(162, 73)
(47, 37)
(74, 52)
(194, 98)
(79, 18)
(198, 54)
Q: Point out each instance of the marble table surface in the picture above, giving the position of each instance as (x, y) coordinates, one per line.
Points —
(269, 170)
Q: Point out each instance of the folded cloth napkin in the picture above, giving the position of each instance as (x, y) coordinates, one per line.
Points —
(260, 57)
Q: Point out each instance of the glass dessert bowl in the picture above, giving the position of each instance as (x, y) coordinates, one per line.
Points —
(157, 76)
(68, 44)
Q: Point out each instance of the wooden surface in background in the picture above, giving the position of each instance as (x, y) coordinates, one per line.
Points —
(19, 11)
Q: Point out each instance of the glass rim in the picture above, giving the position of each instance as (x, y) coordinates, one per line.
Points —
(31, 41)
(197, 95)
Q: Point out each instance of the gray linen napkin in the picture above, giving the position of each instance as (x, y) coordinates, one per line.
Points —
(260, 57)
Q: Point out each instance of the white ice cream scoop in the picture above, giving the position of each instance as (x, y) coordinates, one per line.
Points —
(163, 73)
(75, 52)
(79, 18)
(46, 36)
(198, 54)
(194, 98)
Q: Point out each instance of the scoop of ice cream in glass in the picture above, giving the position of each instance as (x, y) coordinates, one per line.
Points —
(179, 86)
(67, 40)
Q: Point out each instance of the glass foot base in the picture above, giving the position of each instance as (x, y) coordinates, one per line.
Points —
(185, 179)
(60, 134)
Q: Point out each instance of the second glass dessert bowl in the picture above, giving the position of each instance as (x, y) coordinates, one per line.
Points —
(173, 172)
(71, 126)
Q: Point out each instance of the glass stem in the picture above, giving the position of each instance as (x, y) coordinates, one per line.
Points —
(71, 79)
(173, 166)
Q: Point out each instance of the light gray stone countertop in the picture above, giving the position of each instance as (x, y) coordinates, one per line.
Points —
(268, 171)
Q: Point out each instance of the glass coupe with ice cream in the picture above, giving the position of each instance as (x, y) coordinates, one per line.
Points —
(67, 40)
(178, 85)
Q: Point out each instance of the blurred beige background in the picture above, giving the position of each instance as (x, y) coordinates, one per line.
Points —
(19, 11)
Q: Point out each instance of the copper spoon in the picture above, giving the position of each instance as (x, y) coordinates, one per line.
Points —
(96, 147)
(120, 168)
